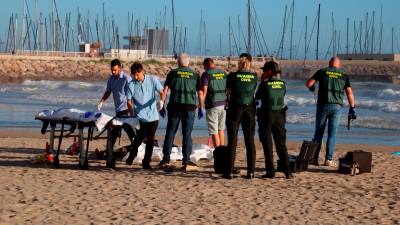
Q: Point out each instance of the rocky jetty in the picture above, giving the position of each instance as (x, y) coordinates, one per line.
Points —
(14, 69)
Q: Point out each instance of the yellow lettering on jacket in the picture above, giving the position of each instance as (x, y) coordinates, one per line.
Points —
(185, 74)
(245, 77)
(218, 76)
(333, 75)
(276, 84)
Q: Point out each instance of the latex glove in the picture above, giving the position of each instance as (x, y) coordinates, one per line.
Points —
(312, 88)
(163, 112)
(99, 105)
(160, 105)
(200, 113)
(258, 104)
(352, 113)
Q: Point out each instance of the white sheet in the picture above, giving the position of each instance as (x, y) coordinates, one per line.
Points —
(199, 152)
(100, 119)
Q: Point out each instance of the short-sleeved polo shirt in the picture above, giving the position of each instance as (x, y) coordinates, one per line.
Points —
(118, 87)
(144, 95)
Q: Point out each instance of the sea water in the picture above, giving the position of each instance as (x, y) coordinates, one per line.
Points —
(378, 107)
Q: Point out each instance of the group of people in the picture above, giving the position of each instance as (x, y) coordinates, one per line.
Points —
(229, 100)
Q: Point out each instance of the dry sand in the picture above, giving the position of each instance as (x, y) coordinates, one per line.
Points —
(38, 194)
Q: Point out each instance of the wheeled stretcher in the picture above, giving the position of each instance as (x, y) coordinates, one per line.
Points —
(70, 119)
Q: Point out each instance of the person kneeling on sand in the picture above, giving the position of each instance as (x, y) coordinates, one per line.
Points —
(142, 103)
(213, 83)
(184, 83)
(271, 118)
(332, 83)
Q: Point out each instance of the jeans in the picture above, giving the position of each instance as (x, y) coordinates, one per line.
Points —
(327, 113)
(245, 116)
(147, 131)
(272, 124)
(174, 117)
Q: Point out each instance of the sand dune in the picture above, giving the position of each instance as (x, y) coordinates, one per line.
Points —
(38, 194)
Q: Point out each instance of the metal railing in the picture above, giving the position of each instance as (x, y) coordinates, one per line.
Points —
(162, 58)
(51, 53)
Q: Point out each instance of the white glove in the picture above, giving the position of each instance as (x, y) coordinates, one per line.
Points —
(160, 105)
(99, 105)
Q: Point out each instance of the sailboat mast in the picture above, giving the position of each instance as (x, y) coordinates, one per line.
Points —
(291, 33)
(380, 31)
(347, 36)
(392, 40)
(230, 40)
(173, 27)
(319, 15)
(373, 32)
(305, 40)
(249, 26)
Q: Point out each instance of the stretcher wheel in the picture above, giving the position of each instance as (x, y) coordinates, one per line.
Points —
(85, 165)
(110, 163)
(56, 162)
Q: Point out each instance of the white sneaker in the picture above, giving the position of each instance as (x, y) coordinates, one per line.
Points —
(330, 163)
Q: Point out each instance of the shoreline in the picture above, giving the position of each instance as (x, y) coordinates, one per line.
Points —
(34, 133)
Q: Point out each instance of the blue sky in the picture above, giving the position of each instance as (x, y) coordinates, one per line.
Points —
(216, 13)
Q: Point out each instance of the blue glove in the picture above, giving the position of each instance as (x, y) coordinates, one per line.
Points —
(200, 113)
(312, 88)
(163, 112)
(352, 113)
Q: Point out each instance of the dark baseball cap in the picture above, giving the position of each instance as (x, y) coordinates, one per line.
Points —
(272, 66)
(247, 55)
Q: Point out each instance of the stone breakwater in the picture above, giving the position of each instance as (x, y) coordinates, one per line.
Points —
(15, 69)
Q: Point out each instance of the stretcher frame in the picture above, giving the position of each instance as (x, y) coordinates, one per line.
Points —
(83, 150)
(61, 133)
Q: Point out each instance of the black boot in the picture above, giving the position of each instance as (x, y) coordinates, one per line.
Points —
(288, 175)
(269, 174)
(227, 176)
(250, 175)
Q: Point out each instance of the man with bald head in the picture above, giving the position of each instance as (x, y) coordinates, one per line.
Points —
(333, 83)
(184, 84)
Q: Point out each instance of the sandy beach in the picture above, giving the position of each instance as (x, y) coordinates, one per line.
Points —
(39, 194)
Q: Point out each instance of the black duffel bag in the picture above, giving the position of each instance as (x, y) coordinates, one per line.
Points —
(221, 159)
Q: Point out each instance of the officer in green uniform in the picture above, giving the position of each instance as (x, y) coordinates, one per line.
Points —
(271, 118)
(241, 86)
(213, 84)
(184, 83)
(333, 83)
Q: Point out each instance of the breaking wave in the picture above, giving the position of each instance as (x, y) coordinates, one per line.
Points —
(373, 122)
(389, 94)
(387, 105)
(53, 85)
(63, 100)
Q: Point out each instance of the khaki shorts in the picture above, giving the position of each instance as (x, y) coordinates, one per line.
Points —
(216, 119)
